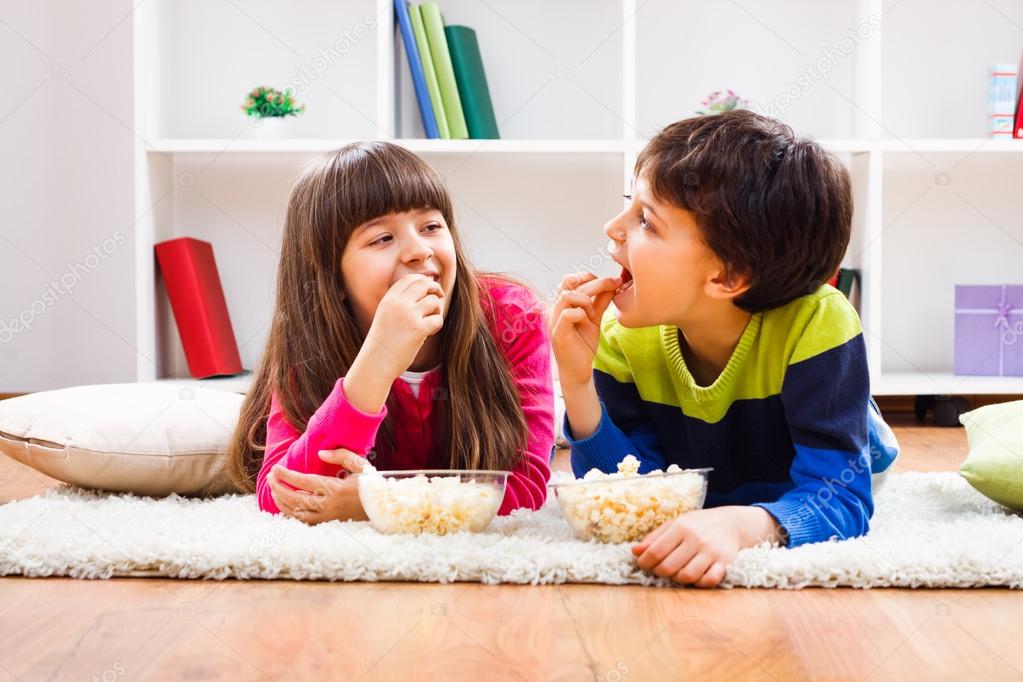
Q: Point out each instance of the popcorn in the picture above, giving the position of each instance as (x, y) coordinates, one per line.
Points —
(428, 504)
(628, 466)
(625, 506)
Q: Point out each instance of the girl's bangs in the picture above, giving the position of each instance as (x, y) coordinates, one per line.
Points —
(371, 179)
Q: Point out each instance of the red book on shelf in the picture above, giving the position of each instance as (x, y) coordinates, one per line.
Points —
(200, 309)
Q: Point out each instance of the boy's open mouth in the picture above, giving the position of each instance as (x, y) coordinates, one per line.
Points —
(626, 280)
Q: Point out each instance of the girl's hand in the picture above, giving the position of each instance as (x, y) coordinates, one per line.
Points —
(575, 324)
(408, 314)
(315, 499)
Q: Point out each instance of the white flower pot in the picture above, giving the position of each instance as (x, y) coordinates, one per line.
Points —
(273, 127)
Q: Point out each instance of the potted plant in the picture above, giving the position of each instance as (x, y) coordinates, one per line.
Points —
(266, 107)
(720, 101)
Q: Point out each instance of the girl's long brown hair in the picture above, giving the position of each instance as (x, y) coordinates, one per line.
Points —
(314, 337)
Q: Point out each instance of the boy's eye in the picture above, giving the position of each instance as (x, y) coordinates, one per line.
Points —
(645, 224)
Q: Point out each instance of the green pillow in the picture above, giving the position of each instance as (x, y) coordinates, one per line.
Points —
(995, 463)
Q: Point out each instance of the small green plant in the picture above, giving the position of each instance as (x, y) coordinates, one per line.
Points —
(264, 102)
(718, 102)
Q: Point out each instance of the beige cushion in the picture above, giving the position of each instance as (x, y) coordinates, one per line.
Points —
(147, 438)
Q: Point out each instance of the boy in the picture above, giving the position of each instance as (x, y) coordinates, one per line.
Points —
(724, 348)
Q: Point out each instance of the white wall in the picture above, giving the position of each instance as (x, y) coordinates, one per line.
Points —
(65, 188)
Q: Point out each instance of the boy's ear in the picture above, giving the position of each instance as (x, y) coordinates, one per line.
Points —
(723, 284)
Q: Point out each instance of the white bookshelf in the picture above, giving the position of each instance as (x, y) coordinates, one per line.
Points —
(575, 100)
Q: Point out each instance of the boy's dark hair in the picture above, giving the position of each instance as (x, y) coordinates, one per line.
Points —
(773, 208)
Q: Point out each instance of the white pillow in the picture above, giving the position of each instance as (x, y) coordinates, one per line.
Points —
(147, 438)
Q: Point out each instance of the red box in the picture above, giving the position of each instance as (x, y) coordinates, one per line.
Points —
(200, 309)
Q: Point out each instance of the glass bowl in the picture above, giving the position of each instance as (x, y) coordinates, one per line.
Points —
(627, 508)
(438, 501)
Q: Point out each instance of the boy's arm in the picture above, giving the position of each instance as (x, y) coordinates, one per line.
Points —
(825, 395)
(610, 414)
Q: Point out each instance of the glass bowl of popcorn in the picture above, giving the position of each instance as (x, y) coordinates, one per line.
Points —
(437, 501)
(625, 506)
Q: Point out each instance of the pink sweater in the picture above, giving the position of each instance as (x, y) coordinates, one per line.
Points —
(521, 335)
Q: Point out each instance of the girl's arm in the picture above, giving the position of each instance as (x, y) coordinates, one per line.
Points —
(336, 424)
(520, 331)
(405, 317)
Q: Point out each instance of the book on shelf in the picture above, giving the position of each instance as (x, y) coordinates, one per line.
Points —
(430, 73)
(445, 72)
(1002, 100)
(200, 309)
(846, 279)
(472, 82)
(450, 81)
(415, 65)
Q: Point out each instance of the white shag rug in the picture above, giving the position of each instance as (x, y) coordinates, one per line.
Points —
(929, 530)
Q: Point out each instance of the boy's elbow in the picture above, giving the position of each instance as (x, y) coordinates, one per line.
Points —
(855, 518)
(844, 517)
(860, 524)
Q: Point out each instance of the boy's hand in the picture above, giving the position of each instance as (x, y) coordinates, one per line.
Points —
(315, 499)
(407, 315)
(575, 323)
(697, 547)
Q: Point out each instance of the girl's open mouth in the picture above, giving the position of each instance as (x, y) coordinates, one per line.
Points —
(626, 281)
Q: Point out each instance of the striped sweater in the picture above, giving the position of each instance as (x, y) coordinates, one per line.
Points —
(788, 425)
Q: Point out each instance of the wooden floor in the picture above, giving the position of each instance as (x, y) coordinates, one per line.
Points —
(128, 629)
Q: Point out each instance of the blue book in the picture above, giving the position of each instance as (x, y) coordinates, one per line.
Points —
(416, 67)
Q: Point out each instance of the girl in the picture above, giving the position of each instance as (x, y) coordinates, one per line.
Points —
(386, 344)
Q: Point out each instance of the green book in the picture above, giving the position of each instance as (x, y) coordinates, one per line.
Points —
(472, 83)
(445, 72)
(846, 279)
(423, 46)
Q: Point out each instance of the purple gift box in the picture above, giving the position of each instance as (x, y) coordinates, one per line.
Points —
(989, 330)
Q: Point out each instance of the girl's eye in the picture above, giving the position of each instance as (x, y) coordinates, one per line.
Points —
(381, 240)
(432, 227)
